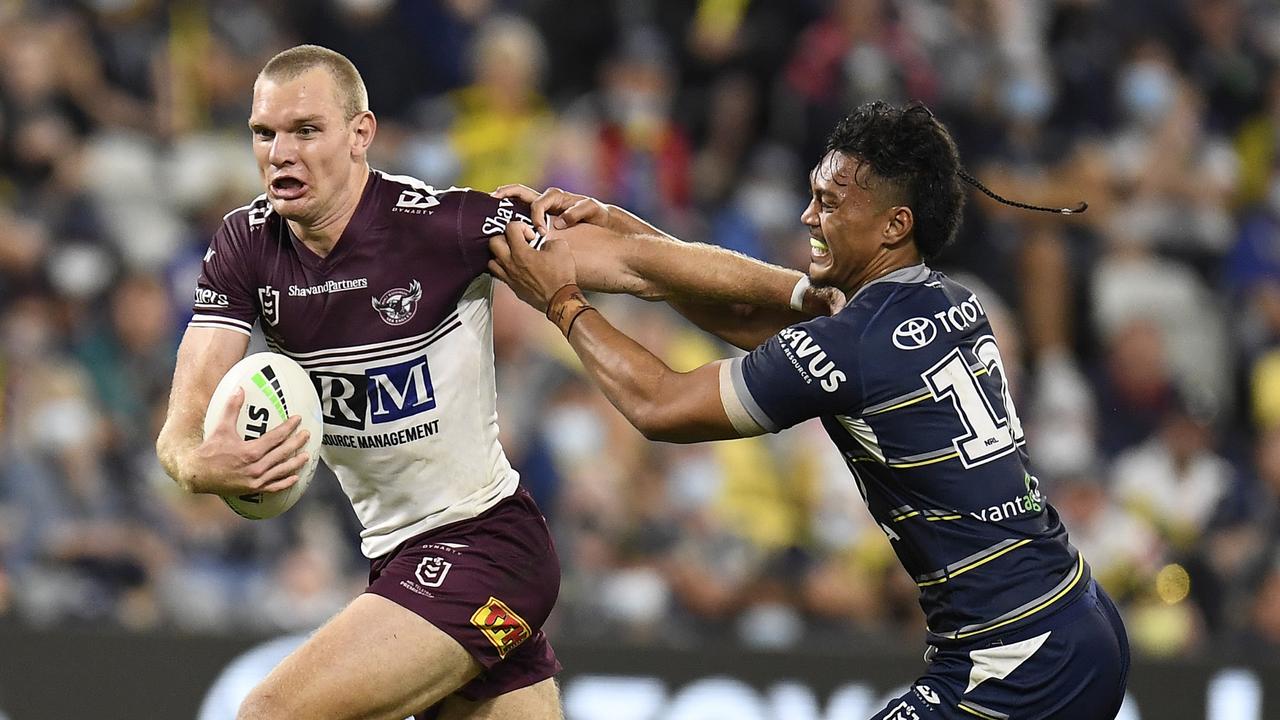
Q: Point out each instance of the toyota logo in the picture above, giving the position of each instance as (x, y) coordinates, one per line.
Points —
(914, 334)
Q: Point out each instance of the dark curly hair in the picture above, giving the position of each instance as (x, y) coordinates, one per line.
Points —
(909, 149)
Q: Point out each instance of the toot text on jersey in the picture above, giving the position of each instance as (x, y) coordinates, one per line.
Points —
(961, 315)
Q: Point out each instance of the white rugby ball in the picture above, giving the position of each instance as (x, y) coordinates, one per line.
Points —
(275, 389)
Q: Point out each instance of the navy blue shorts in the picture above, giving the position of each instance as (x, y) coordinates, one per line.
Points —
(1072, 665)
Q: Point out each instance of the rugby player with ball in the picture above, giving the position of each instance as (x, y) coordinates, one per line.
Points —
(376, 287)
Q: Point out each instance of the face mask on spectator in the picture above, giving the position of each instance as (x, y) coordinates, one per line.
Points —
(1146, 91)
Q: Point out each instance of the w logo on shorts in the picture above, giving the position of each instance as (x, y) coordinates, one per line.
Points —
(504, 628)
(432, 571)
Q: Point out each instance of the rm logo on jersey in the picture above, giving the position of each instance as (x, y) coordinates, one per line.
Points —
(380, 395)
(504, 628)
(269, 298)
(415, 202)
(432, 571)
(397, 305)
(914, 333)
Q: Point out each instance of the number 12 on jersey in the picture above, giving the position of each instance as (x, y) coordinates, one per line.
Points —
(988, 435)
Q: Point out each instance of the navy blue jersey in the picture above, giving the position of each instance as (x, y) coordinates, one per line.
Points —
(909, 384)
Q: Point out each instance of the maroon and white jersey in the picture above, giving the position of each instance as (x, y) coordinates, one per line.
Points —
(395, 328)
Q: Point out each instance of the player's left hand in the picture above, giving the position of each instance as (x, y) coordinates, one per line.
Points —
(534, 275)
(556, 209)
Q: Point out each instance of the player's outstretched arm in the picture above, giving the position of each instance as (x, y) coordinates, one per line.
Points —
(222, 463)
(738, 298)
(660, 402)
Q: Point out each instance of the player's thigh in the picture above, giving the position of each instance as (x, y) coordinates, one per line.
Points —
(540, 701)
(373, 660)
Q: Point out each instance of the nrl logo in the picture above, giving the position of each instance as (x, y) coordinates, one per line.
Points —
(269, 298)
(397, 305)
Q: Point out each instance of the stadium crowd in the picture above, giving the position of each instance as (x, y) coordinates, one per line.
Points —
(1142, 337)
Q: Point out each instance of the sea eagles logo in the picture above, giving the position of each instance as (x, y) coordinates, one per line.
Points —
(269, 298)
(397, 305)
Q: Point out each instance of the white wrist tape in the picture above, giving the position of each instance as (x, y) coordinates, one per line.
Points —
(797, 294)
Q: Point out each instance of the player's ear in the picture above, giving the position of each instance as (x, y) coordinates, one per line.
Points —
(899, 224)
(365, 126)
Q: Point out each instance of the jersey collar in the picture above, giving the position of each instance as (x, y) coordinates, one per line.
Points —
(910, 275)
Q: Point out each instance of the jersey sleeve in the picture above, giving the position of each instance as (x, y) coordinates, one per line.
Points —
(223, 298)
(481, 216)
(805, 371)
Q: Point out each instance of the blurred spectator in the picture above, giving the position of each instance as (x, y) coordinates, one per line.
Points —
(644, 153)
(1176, 479)
(501, 118)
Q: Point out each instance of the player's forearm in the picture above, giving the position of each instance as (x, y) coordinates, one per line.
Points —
(709, 274)
(178, 439)
(740, 325)
(635, 381)
(631, 256)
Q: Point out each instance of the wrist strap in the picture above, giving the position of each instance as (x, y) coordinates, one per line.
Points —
(797, 293)
(565, 307)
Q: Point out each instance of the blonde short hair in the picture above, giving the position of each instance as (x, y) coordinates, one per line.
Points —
(352, 95)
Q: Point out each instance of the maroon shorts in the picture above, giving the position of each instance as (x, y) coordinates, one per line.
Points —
(489, 583)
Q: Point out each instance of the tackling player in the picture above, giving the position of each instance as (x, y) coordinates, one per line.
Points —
(376, 285)
(909, 384)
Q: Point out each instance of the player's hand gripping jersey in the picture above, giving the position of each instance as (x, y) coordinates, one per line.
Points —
(909, 384)
(395, 328)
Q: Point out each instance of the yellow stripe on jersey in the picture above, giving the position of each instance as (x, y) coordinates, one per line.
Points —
(925, 462)
(1034, 610)
(971, 711)
(979, 563)
(900, 405)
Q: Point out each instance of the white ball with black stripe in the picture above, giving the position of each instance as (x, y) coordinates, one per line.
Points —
(275, 389)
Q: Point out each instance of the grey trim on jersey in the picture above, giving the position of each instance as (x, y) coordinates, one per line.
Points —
(985, 712)
(913, 396)
(733, 405)
(974, 558)
(1067, 581)
(913, 274)
(743, 396)
(902, 513)
(931, 455)
(890, 404)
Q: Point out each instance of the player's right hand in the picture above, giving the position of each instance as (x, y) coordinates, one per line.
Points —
(568, 208)
(227, 464)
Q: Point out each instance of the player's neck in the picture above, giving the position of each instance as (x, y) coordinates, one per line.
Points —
(321, 236)
(882, 265)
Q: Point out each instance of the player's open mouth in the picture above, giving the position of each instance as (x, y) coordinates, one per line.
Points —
(818, 249)
(288, 188)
